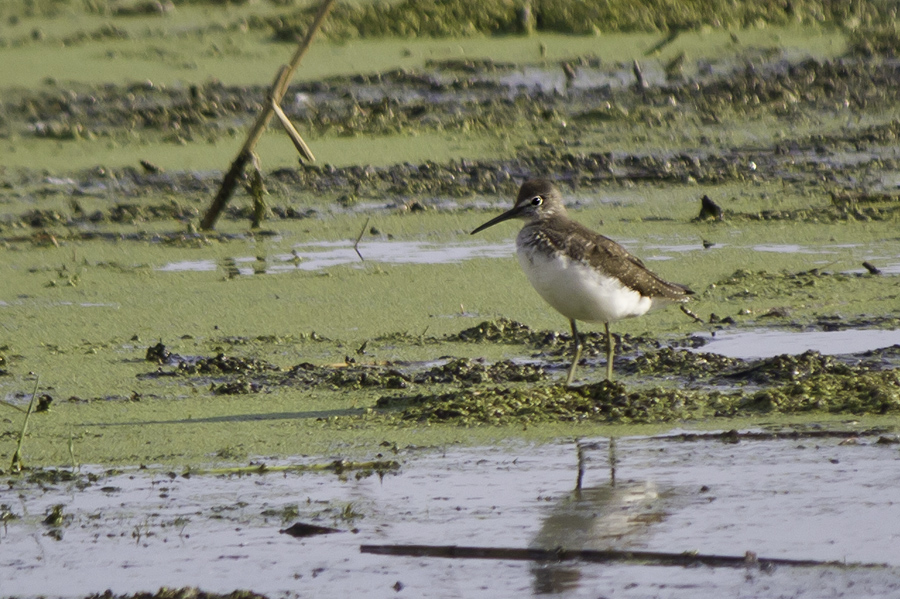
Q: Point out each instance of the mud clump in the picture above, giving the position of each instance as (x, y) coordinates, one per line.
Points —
(599, 402)
(879, 40)
(182, 593)
(867, 393)
(551, 343)
(158, 353)
(238, 387)
(218, 364)
(473, 372)
(459, 371)
(361, 377)
(681, 363)
(501, 330)
(222, 364)
(594, 344)
(880, 359)
(791, 368)
(350, 376)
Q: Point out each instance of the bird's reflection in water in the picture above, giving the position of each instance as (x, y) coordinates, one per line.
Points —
(229, 265)
(260, 266)
(604, 517)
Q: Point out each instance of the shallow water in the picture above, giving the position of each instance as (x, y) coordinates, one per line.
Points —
(799, 499)
(325, 254)
(768, 343)
(321, 255)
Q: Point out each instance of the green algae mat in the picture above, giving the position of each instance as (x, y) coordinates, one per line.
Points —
(360, 314)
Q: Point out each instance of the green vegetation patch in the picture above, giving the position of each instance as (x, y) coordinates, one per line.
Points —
(600, 402)
(879, 39)
(792, 368)
(239, 376)
(866, 393)
(852, 393)
(501, 330)
(681, 363)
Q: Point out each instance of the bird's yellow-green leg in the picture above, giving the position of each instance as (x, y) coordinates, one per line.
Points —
(577, 340)
(610, 345)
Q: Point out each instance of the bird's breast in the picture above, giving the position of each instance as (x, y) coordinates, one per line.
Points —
(575, 289)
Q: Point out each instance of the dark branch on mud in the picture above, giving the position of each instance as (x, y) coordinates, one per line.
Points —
(656, 558)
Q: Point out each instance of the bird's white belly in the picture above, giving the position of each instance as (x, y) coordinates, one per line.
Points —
(579, 292)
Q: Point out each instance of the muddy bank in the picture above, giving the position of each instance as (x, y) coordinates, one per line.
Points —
(853, 384)
(847, 170)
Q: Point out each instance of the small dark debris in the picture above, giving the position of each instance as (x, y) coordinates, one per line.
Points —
(43, 403)
(709, 210)
(55, 516)
(158, 353)
(238, 387)
(222, 363)
(874, 270)
(301, 529)
(150, 167)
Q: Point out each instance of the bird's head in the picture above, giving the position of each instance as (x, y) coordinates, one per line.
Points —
(538, 199)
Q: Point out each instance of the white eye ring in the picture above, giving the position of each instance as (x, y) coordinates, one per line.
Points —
(537, 201)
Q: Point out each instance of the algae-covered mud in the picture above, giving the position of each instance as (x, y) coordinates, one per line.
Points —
(747, 150)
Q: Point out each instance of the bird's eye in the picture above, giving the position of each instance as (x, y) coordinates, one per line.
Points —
(537, 201)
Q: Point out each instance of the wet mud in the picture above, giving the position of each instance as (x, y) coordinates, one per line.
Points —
(471, 102)
(712, 385)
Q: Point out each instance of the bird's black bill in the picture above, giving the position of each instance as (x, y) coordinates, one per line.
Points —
(512, 213)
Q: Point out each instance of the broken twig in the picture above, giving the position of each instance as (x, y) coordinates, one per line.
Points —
(276, 93)
(301, 146)
(16, 465)
(690, 313)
